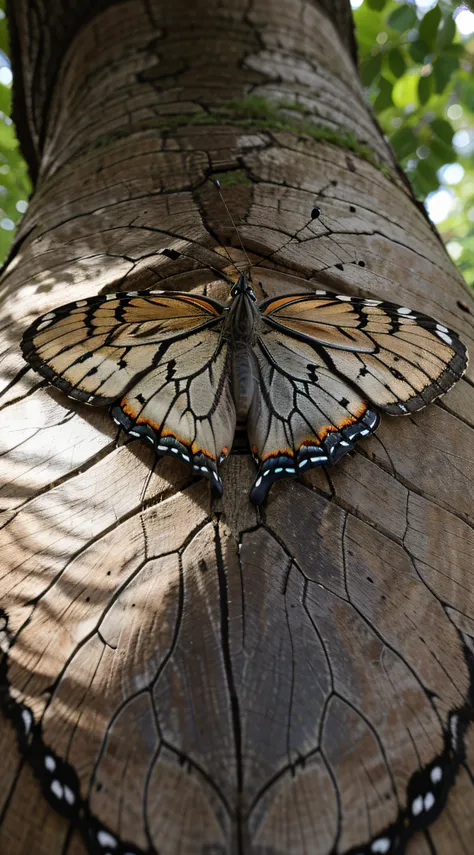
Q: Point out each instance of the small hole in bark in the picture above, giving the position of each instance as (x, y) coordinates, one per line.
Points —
(369, 579)
(333, 182)
(88, 599)
(352, 209)
(340, 266)
(361, 263)
(464, 307)
(170, 253)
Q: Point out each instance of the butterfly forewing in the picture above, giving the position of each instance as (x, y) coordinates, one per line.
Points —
(399, 359)
(94, 349)
(159, 355)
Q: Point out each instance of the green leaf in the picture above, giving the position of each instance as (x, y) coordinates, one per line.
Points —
(443, 129)
(404, 142)
(446, 33)
(418, 50)
(405, 91)
(5, 99)
(402, 18)
(426, 176)
(371, 68)
(443, 69)
(466, 93)
(384, 98)
(429, 26)
(441, 152)
(396, 62)
(425, 88)
(377, 5)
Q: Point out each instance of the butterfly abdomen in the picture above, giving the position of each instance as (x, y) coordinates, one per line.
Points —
(243, 380)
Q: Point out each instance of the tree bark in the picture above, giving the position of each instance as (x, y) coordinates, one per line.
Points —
(190, 675)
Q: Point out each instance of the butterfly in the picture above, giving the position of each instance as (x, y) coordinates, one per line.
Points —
(302, 372)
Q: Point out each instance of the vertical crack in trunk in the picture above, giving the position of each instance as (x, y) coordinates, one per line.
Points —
(233, 696)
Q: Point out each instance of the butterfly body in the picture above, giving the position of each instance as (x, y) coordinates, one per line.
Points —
(299, 371)
(240, 329)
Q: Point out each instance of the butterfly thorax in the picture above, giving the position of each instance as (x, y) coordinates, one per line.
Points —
(240, 329)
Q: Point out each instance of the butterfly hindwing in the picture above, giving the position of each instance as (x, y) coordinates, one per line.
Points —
(303, 415)
(184, 405)
(159, 355)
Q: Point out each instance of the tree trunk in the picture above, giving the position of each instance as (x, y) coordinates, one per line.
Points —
(190, 675)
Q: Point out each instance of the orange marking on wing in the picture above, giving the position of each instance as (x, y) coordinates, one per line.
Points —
(202, 304)
(140, 420)
(325, 430)
(225, 450)
(254, 449)
(313, 440)
(197, 449)
(283, 301)
(277, 453)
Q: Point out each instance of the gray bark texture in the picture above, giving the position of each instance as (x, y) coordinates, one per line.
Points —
(189, 675)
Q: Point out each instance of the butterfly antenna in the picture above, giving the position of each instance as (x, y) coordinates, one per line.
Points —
(218, 185)
(315, 213)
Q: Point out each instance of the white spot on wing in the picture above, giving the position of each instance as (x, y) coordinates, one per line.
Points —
(343, 297)
(57, 789)
(436, 774)
(50, 763)
(381, 845)
(441, 328)
(106, 839)
(27, 719)
(417, 806)
(43, 324)
(429, 801)
(69, 795)
(445, 337)
(404, 311)
(81, 303)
